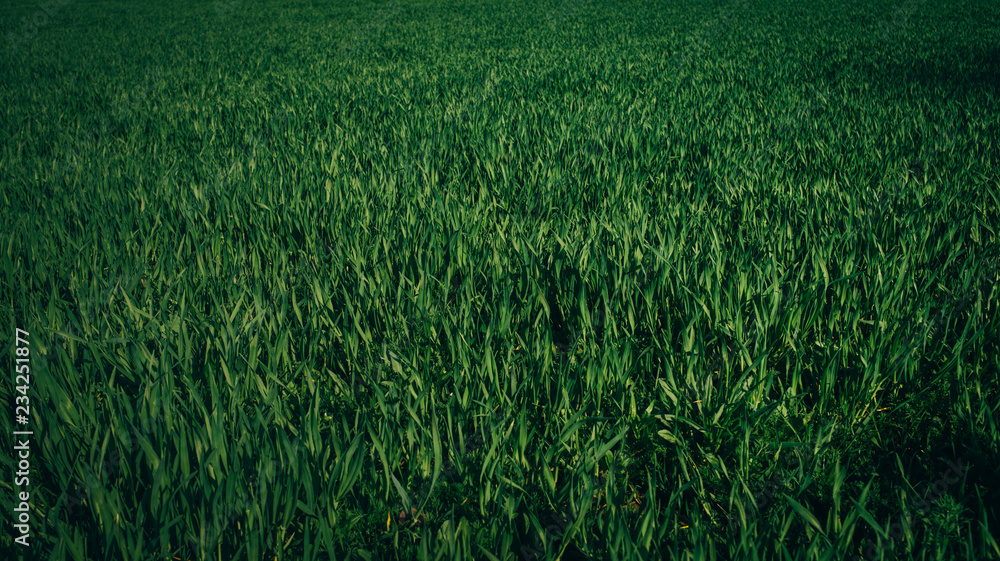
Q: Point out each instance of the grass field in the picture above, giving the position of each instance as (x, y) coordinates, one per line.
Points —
(428, 279)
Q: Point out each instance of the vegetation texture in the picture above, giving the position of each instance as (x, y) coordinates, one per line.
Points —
(429, 279)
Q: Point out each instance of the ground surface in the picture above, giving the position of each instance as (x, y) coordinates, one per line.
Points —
(502, 280)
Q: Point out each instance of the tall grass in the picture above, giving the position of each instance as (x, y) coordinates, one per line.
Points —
(579, 280)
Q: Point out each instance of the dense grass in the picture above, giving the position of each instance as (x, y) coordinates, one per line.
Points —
(420, 280)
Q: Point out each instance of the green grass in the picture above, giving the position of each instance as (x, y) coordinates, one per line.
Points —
(559, 280)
